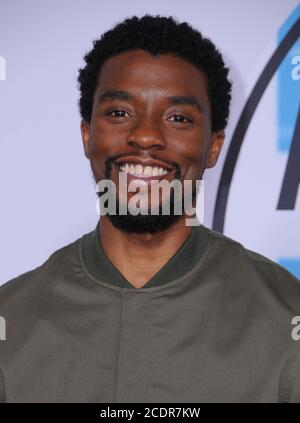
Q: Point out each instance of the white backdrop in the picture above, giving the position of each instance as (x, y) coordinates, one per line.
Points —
(47, 195)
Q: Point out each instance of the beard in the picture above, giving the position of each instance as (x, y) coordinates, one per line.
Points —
(145, 223)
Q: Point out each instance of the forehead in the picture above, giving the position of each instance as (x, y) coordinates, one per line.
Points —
(139, 70)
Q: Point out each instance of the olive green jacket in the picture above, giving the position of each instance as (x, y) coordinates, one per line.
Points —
(213, 325)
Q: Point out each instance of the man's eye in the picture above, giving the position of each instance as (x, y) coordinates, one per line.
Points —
(180, 118)
(118, 113)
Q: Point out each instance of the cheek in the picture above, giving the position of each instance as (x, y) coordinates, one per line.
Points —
(99, 150)
(104, 143)
(191, 154)
(195, 166)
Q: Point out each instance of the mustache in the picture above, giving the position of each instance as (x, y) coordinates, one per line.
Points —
(111, 159)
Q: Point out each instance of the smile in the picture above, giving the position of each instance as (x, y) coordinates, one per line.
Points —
(141, 171)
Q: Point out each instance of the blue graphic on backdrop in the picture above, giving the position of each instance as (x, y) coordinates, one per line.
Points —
(293, 265)
(288, 106)
(288, 88)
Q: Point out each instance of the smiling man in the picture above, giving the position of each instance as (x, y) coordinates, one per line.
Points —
(151, 117)
(145, 308)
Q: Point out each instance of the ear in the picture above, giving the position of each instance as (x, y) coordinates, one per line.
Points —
(214, 148)
(85, 135)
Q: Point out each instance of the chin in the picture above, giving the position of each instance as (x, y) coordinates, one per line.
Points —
(142, 224)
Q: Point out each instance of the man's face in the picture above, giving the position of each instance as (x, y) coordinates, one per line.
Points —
(152, 112)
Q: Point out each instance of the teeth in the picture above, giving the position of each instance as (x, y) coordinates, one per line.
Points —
(148, 171)
(139, 170)
(155, 171)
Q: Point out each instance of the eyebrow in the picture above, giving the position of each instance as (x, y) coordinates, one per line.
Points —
(190, 100)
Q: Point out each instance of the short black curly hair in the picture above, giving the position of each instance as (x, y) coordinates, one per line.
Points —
(157, 35)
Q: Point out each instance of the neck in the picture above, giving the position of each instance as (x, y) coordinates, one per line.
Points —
(140, 256)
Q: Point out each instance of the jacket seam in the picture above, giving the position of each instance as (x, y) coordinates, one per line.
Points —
(248, 254)
(36, 271)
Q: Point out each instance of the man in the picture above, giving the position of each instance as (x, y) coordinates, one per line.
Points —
(146, 308)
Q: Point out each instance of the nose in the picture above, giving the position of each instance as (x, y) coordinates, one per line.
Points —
(146, 134)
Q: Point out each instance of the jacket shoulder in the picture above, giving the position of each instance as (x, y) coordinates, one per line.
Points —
(258, 262)
(59, 263)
